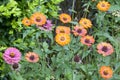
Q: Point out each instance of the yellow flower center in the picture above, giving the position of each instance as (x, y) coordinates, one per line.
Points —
(12, 55)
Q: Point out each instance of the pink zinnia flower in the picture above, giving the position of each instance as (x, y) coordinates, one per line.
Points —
(105, 48)
(79, 31)
(12, 55)
(47, 26)
(87, 40)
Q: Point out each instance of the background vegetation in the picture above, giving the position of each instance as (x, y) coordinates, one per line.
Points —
(57, 62)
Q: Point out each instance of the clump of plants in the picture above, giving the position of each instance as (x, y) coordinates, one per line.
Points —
(39, 42)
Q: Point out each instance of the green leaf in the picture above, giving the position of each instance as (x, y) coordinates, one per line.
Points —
(16, 76)
(85, 54)
(114, 7)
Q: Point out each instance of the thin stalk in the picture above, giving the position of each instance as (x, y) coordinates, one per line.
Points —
(73, 6)
(86, 10)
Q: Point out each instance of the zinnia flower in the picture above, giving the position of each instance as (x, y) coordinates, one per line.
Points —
(105, 49)
(103, 6)
(38, 18)
(79, 31)
(86, 23)
(65, 18)
(32, 57)
(26, 22)
(12, 55)
(62, 29)
(62, 39)
(106, 72)
(47, 26)
(87, 40)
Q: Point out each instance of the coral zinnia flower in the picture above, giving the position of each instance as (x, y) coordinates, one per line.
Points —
(62, 39)
(65, 18)
(26, 22)
(12, 55)
(105, 48)
(86, 23)
(63, 29)
(38, 18)
(32, 57)
(106, 72)
(103, 6)
(87, 40)
(79, 31)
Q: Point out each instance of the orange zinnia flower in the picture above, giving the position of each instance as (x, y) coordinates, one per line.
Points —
(87, 40)
(103, 6)
(106, 72)
(62, 39)
(26, 22)
(79, 31)
(65, 18)
(38, 19)
(105, 48)
(32, 57)
(62, 29)
(86, 23)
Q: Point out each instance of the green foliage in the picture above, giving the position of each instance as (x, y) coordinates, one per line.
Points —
(57, 62)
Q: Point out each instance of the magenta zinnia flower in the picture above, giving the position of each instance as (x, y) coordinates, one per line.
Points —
(12, 55)
(47, 26)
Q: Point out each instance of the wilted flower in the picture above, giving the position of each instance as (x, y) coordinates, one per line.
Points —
(116, 13)
(15, 66)
(12, 55)
(77, 58)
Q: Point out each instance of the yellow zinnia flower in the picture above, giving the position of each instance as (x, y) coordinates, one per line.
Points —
(62, 29)
(86, 23)
(103, 6)
(38, 18)
(65, 18)
(62, 39)
(26, 21)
